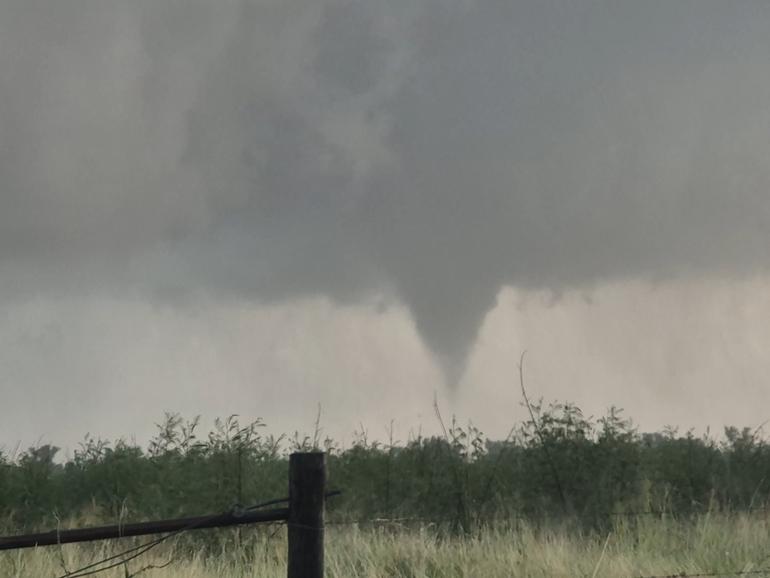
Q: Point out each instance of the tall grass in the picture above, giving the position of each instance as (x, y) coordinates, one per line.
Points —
(565, 480)
(630, 547)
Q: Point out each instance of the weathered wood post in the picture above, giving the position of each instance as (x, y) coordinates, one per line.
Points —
(307, 489)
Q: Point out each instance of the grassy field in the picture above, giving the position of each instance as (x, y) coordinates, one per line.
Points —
(711, 543)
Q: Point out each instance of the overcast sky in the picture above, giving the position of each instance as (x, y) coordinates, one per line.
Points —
(259, 206)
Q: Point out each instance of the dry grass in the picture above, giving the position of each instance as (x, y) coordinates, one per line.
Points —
(639, 547)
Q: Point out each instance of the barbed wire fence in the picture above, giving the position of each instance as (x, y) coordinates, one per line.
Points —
(304, 519)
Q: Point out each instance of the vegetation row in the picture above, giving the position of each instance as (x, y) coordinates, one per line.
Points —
(560, 463)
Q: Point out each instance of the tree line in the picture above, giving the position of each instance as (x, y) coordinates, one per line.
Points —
(558, 464)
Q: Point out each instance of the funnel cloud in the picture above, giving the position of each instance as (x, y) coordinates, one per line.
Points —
(427, 153)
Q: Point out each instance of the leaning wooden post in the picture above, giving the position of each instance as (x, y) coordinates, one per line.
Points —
(307, 489)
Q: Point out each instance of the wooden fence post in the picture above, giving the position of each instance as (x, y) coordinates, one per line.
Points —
(307, 489)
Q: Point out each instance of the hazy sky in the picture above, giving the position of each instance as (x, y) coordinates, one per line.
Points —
(257, 206)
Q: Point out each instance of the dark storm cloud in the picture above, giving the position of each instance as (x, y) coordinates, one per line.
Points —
(431, 152)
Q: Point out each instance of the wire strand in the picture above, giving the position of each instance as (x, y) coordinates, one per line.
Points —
(142, 549)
